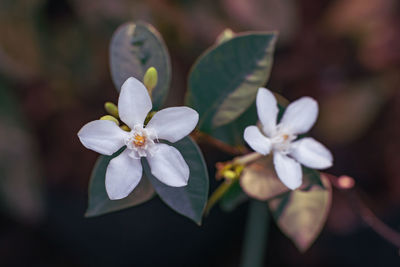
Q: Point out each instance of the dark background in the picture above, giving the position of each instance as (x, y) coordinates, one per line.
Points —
(54, 78)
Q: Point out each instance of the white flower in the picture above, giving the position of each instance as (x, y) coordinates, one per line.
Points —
(288, 152)
(166, 162)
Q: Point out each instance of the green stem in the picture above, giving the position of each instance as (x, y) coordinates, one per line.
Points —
(247, 159)
(218, 194)
(256, 235)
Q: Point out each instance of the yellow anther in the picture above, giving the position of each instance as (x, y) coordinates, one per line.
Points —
(150, 79)
(111, 109)
(139, 140)
(285, 137)
(110, 118)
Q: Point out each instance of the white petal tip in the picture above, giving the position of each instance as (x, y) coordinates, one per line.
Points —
(326, 166)
(116, 195)
(309, 98)
(131, 79)
(293, 186)
(179, 184)
(172, 182)
(263, 89)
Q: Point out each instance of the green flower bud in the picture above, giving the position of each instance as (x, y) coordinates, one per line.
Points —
(111, 109)
(150, 79)
(110, 118)
(125, 128)
(149, 116)
(226, 35)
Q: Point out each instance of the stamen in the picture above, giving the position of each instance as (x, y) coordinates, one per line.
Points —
(139, 140)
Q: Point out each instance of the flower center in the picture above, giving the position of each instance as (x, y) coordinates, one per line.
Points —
(139, 140)
(281, 142)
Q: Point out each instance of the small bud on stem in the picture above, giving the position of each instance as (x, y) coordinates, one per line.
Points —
(150, 79)
(111, 109)
(110, 118)
(125, 128)
(226, 35)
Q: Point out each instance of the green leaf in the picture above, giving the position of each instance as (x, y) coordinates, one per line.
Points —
(99, 203)
(224, 81)
(301, 215)
(134, 48)
(190, 200)
(232, 133)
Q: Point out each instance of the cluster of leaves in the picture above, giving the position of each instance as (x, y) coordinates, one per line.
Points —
(222, 87)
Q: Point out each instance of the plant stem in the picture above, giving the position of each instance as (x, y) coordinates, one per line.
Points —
(217, 195)
(256, 234)
(367, 215)
(247, 159)
(204, 138)
(239, 163)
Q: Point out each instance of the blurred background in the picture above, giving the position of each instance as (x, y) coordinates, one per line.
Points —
(54, 77)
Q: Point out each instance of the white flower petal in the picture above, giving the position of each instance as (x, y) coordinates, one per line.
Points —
(288, 170)
(123, 175)
(173, 124)
(256, 140)
(311, 153)
(267, 110)
(102, 136)
(168, 166)
(134, 102)
(300, 116)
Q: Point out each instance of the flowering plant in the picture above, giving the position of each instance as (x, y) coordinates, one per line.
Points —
(225, 100)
